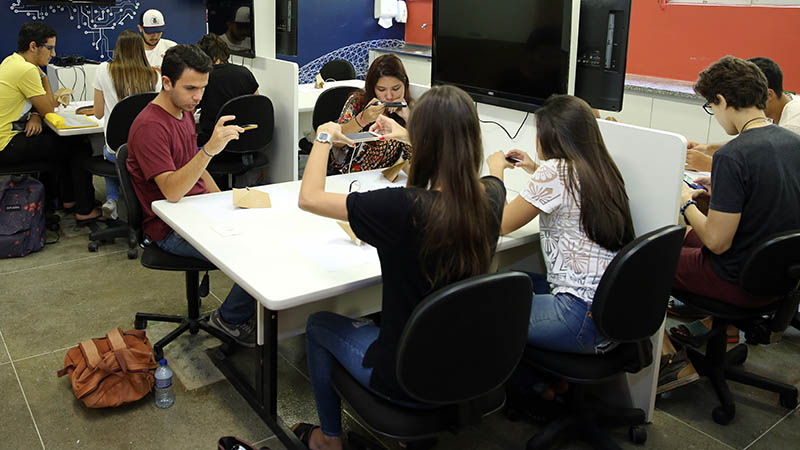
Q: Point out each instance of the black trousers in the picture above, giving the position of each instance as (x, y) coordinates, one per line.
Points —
(68, 154)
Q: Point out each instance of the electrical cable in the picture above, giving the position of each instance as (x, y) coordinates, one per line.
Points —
(502, 127)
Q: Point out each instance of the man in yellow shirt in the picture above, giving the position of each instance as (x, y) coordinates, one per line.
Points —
(25, 97)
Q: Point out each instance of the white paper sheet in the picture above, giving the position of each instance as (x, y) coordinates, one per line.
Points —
(334, 250)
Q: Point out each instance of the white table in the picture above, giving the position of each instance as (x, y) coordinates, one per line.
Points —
(307, 94)
(66, 110)
(294, 263)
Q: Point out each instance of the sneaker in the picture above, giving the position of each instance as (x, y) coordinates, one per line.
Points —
(675, 371)
(243, 333)
(110, 209)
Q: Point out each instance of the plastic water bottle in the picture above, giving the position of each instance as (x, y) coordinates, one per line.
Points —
(164, 395)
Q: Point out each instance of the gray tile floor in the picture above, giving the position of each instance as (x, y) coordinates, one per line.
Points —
(51, 300)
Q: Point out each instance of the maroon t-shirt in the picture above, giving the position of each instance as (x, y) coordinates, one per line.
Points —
(158, 143)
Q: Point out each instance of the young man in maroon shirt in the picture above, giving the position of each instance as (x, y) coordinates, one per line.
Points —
(165, 163)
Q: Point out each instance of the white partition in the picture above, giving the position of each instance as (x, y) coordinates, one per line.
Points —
(278, 80)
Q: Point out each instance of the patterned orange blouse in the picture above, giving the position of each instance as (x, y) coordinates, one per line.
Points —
(365, 155)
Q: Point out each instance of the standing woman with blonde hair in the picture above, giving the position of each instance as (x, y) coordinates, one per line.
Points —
(129, 73)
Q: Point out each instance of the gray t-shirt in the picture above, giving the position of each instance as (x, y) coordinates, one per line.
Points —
(756, 174)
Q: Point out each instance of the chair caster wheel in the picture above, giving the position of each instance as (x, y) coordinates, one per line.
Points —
(637, 434)
(93, 246)
(140, 324)
(789, 401)
(723, 415)
(133, 253)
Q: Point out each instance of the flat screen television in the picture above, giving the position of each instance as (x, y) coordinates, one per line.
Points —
(232, 20)
(510, 53)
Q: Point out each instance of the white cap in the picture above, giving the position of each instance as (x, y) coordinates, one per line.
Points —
(153, 21)
(242, 15)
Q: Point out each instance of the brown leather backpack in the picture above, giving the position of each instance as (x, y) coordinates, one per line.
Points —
(111, 371)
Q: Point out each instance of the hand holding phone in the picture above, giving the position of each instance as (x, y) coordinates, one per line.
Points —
(367, 136)
(512, 160)
(690, 182)
(400, 104)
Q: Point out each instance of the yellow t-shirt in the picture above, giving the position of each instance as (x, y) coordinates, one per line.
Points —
(19, 81)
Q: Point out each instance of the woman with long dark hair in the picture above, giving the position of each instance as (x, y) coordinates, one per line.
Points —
(440, 229)
(127, 74)
(386, 82)
(584, 219)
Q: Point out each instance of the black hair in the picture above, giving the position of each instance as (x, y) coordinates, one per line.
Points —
(773, 73)
(180, 57)
(34, 32)
(740, 82)
(214, 47)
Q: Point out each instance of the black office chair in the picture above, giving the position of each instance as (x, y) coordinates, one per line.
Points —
(36, 169)
(459, 346)
(771, 269)
(338, 70)
(327, 108)
(250, 150)
(155, 258)
(629, 307)
(119, 124)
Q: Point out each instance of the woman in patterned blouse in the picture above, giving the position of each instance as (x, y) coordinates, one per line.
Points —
(386, 82)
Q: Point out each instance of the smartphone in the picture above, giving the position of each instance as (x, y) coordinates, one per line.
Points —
(366, 136)
(400, 104)
(250, 126)
(512, 160)
(690, 182)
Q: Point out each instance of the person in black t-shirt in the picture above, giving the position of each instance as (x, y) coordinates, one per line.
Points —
(442, 228)
(754, 185)
(225, 82)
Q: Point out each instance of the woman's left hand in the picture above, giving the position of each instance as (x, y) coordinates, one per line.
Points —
(335, 130)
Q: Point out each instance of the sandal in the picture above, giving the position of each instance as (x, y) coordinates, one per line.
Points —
(695, 334)
(303, 432)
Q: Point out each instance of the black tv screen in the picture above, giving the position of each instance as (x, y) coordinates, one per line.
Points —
(232, 20)
(70, 2)
(512, 53)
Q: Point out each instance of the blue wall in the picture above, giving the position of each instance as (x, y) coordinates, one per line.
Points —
(92, 31)
(331, 29)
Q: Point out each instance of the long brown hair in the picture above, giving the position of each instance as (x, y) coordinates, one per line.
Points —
(388, 65)
(130, 71)
(566, 129)
(448, 155)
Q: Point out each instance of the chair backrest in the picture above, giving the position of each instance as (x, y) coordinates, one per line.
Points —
(338, 70)
(631, 300)
(463, 341)
(250, 109)
(329, 105)
(132, 205)
(773, 269)
(122, 117)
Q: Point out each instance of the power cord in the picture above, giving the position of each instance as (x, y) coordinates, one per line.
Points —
(502, 127)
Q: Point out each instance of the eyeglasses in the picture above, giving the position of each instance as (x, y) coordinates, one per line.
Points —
(50, 48)
(707, 108)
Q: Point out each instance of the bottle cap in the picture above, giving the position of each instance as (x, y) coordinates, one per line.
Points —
(163, 362)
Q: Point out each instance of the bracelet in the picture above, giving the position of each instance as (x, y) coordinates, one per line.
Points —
(357, 122)
(202, 149)
(683, 209)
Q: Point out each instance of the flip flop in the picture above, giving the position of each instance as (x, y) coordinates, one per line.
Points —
(695, 334)
(303, 432)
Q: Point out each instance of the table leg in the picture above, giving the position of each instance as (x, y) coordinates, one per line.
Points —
(264, 397)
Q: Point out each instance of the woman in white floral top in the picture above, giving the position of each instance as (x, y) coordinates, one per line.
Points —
(584, 220)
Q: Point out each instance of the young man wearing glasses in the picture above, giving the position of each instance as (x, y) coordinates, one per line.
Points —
(25, 98)
(782, 107)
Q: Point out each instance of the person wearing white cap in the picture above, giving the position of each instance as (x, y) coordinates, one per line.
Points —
(238, 34)
(152, 26)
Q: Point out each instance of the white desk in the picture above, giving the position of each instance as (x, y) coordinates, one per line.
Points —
(307, 94)
(67, 110)
(294, 263)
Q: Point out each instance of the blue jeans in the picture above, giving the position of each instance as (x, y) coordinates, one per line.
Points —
(112, 184)
(330, 336)
(238, 307)
(562, 323)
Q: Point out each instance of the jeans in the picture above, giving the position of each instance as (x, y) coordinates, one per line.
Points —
(329, 336)
(112, 183)
(238, 307)
(562, 323)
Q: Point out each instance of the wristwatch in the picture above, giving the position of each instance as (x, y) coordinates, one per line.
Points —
(324, 137)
